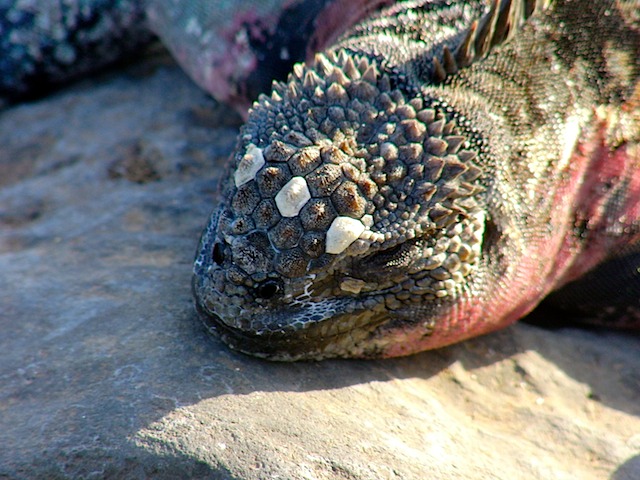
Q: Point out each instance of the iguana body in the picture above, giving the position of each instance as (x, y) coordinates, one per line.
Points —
(426, 179)
(415, 186)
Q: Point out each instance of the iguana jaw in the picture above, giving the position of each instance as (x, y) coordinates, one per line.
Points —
(320, 315)
(342, 328)
(343, 335)
(347, 328)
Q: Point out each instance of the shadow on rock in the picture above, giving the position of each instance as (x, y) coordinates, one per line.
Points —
(629, 470)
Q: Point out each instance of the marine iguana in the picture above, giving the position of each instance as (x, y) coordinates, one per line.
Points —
(434, 174)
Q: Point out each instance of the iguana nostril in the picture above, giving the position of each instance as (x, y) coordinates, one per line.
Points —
(218, 253)
(268, 289)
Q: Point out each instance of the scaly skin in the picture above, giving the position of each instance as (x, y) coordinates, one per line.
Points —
(55, 41)
(394, 195)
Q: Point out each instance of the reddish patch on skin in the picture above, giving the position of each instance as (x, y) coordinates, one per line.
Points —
(218, 58)
(226, 74)
(600, 193)
(608, 210)
(223, 65)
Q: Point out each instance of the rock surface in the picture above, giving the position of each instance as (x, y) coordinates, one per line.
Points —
(106, 372)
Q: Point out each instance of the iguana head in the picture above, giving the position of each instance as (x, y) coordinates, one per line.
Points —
(352, 215)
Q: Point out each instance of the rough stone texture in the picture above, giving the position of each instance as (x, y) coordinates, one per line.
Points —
(105, 371)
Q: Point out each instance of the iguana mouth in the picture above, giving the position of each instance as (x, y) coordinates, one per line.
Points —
(341, 335)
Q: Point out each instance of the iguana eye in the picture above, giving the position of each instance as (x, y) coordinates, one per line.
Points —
(268, 289)
(397, 257)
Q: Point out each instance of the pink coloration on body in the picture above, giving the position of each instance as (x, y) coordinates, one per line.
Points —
(604, 186)
(231, 51)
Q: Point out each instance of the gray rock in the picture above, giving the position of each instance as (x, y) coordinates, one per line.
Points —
(106, 372)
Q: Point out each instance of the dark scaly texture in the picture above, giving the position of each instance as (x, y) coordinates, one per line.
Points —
(51, 42)
(431, 177)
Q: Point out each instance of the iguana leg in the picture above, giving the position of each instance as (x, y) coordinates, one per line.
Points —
(233, 49)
